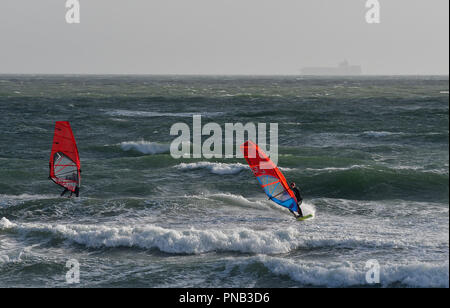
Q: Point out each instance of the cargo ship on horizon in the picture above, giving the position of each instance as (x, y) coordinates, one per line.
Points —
(343, 69)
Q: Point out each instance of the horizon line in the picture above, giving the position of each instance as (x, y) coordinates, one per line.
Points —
(220, 75)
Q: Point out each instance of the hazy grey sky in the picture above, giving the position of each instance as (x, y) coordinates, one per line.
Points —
(222, 36)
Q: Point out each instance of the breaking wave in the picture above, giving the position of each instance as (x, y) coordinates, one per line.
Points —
(347, 274)
(167, 240)
(194, 241)
(145, 147)
(151, 114)
(216, 168)
(11, 200)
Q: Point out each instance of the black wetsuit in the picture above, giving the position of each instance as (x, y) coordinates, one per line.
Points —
(64, 192)
(299, 199)
(77, 192)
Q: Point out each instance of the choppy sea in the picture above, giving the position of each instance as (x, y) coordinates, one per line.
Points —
(371, 155)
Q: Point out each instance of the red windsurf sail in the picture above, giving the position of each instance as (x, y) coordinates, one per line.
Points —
(65, 168)
(269, 176)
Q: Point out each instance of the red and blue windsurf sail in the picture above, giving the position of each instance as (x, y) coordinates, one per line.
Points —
(269, 176)
(65, 168)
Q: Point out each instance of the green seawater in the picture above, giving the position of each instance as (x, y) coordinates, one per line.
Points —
(369, 153)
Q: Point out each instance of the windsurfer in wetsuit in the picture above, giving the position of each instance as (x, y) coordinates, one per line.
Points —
(77, 192)
(299, 198)
(64, 192)
(74, 178)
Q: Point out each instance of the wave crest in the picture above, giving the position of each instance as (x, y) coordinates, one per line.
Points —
(167, 240)
(417, 274)
(152, 114)
(215, 168)
(145, 147)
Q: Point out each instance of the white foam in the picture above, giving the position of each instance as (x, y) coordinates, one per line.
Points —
(423, 169)
(9, 200)
(336, 168)
(238, 200)
(258, 204)
(345, 274)
(189, 241)
(10, 252)
(216, 168)
(152, 114)
(337, 275)
(379, 134)
(194, 241)
(4, 259)
(27, 197)
(219, 168)
(145, 147)
(308, 209)
(6, 224)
